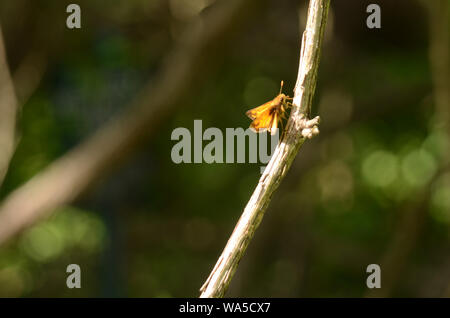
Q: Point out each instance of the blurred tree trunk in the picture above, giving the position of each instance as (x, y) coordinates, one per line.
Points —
(8, 110)
(68, 177)
(414, 215)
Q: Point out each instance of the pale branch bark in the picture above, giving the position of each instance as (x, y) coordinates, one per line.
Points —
(298, 128)
(8, 111)
(68, 177)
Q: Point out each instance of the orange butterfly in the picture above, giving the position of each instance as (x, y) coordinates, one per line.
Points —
(266, 116)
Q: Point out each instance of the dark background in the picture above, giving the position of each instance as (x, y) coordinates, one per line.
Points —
(371, 188)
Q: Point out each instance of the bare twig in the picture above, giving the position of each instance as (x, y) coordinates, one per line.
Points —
(66, 178)
(297, 129)
(8, 110)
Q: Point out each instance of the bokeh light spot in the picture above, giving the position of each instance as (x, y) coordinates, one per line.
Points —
(437, 143)
(380, 168)
(13, 281)
(440, 199)
(418, 166)
(336, 181)
(43, 242)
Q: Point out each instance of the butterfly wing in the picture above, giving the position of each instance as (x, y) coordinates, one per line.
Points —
(258, 111)
(264, 120)
(273, 125)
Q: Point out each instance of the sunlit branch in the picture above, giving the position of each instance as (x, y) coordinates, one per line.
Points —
(297, 129)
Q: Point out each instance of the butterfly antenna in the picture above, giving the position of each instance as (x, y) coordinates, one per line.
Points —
(281, 87)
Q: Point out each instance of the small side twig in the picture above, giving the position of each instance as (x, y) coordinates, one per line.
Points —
(297, 130)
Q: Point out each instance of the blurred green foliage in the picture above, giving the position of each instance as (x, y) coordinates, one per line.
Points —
(155, 229)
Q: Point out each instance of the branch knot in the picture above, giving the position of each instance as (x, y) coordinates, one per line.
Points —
(308, 127)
